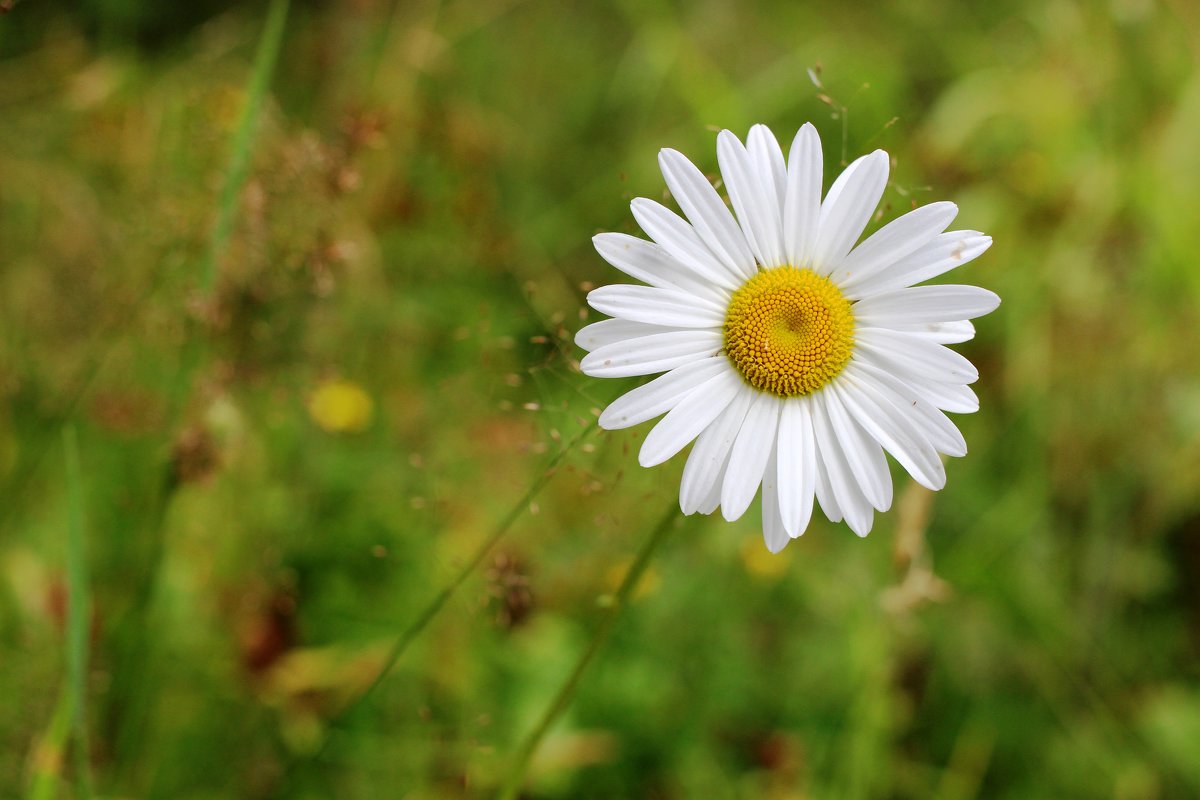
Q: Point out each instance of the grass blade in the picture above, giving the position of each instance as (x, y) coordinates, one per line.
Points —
(79, 614)
(563, 699)
(405, 640)
(243, 139)
(46, 757)
(127, 702)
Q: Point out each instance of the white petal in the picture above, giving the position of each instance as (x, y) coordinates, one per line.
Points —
(896, 431)
(768, 160)
(848, 497)
(774, 533)
(952, 397)
(700, 487)
(824, 488)
(755, 202)
(651, 354)
(802, 206)
(682, 242)
(847, 209)
(936, 426)
(894, 241)
(661, 394)
(908, 355)
(712, 500)
(652, 264)
(917, 304)
(704, 209)
(608, 331)
(864, 456)
(685, 422)
(941, 332)
(797, 465)
(944, 253)
(671, 307)
(749, 457)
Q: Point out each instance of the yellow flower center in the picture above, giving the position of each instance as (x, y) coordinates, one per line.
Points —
(789, 331)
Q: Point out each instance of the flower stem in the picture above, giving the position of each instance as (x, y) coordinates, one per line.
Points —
(426, 616)
(243, 139)
(565, 694)
(79, 614)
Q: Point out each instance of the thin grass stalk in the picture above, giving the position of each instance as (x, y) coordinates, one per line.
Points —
(235, 178)
(562, 700)
(243, 139)
(79, 614)
(46, 756)
(410, 634)
(129, 705)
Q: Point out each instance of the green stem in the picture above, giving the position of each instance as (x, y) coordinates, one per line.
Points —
(565, 694)
(79, 613)
(422, 621)
(45, 781)
(127, 702)
(243, 139)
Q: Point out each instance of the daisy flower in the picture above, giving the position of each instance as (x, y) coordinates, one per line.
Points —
(791, 357)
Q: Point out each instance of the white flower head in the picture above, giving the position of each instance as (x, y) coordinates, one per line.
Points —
(792, 358)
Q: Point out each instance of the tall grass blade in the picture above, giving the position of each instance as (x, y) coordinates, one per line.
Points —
(243, 139)
(46, 756)
(79, 615)
(127, 702)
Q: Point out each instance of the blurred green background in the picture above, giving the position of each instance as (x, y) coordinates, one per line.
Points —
(293, 432)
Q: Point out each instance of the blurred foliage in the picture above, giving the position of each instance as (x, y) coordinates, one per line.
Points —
(279, 475)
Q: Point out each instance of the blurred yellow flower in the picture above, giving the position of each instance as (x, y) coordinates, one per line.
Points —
(758, 562)
(341, 406)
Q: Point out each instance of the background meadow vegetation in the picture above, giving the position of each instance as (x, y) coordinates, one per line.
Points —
(302, 320)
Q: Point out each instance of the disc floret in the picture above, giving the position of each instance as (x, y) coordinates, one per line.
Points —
(789, 331)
